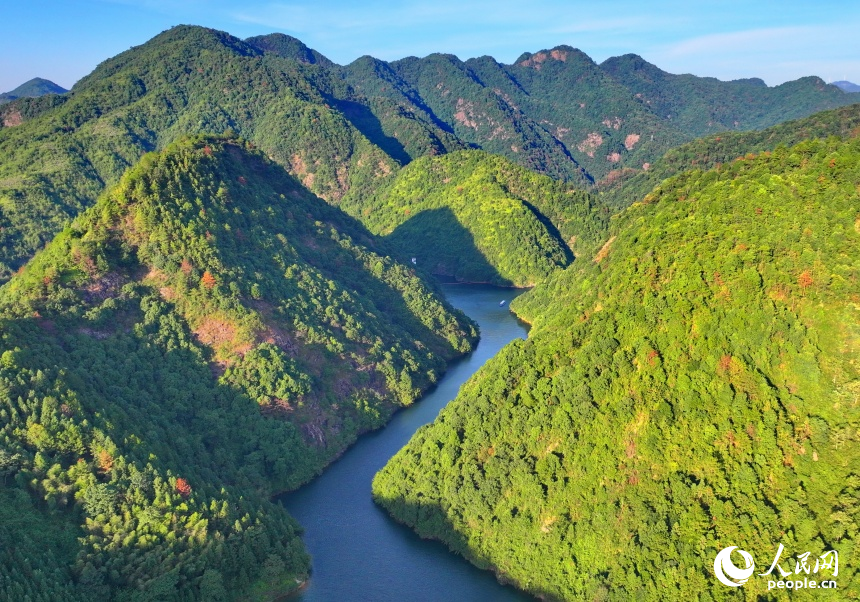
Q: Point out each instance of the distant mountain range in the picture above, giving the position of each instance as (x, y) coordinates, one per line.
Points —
(207, 246)
(342, 130)
(31, 89)
(847, 86)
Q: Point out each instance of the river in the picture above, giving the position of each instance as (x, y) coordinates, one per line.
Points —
(358, 552)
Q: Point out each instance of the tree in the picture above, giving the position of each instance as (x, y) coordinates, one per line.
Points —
(208, 280)
(182, 487)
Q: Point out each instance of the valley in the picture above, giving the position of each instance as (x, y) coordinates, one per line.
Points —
(230, 369)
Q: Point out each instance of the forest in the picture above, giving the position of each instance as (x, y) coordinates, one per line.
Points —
(345, 131)
(208, 334)
(477, 217)
(208, 294)
(691, 386)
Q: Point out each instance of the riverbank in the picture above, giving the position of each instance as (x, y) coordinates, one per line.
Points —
(358, 552)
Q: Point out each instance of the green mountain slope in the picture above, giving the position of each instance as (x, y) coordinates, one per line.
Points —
(344, 131)
(479, 115)
(558, 112)
(704, 105)
(186, 80)
(478, 217)
(692, 387)
(289, 48)
(31, 89)
(208, 334)
(717, 149)
(599, 121)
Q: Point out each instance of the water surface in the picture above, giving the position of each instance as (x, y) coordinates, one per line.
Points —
(359, 553)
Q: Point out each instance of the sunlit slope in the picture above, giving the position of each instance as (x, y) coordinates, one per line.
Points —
(63, 152)
(692, 386)
(208, 334)
(710, 151)
(478, 217)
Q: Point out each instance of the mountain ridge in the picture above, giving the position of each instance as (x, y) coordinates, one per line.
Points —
(847, 86)
(345, 130)
(207, 335)
(679, 392)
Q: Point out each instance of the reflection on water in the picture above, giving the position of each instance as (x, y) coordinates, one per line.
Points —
(359, 553)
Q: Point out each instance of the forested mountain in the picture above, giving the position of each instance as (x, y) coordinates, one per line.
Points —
(289, 47)
(703, 105)
(714, 150)
(31, 89)
(186, 80)
(476, 217)
(558, 112)
(690, 387)
(345, 131)
(206, 335)
(207, 244)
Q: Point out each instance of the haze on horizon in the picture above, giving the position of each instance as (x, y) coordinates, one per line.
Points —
(776, 41)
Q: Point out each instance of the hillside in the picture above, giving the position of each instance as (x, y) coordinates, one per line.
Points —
(206, 335)
(188, 80)
(693, 386)
(344, 131)
(558, 112)
(711, 151)
(476, 217)
(703, 105)
(31, 89)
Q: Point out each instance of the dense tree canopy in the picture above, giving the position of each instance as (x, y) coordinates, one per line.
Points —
(714, 150)
(192, 324)
(478, 217)
(344, 131)
(692, 386)
(208, 334)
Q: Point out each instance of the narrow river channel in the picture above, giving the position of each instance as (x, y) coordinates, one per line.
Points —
(359, 553)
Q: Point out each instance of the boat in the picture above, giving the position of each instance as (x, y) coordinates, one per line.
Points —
(502, 303)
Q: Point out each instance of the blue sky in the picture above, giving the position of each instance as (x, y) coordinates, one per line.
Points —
(728, 39)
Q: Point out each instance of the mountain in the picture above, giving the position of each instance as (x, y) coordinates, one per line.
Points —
(206, 335)
(186, 80)
(714, 150)
(476, 217)
(691, 386)
(31, 89)
(558, 112)
(288, 47)
(847, 86)
(344, 131)
(703, 105)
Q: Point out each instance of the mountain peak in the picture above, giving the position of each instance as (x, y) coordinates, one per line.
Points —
(288, 47)
(562, 53)
(629, 63)
(750, 81)
(35, 87)
(174, 45)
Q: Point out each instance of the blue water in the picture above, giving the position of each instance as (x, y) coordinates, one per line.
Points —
(358, 552)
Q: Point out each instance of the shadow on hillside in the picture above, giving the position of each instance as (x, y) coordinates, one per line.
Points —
(428, 521)
(444, 247)
(368, 124)
(550, 227)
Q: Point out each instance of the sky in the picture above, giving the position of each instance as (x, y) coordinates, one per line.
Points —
(63, 40)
